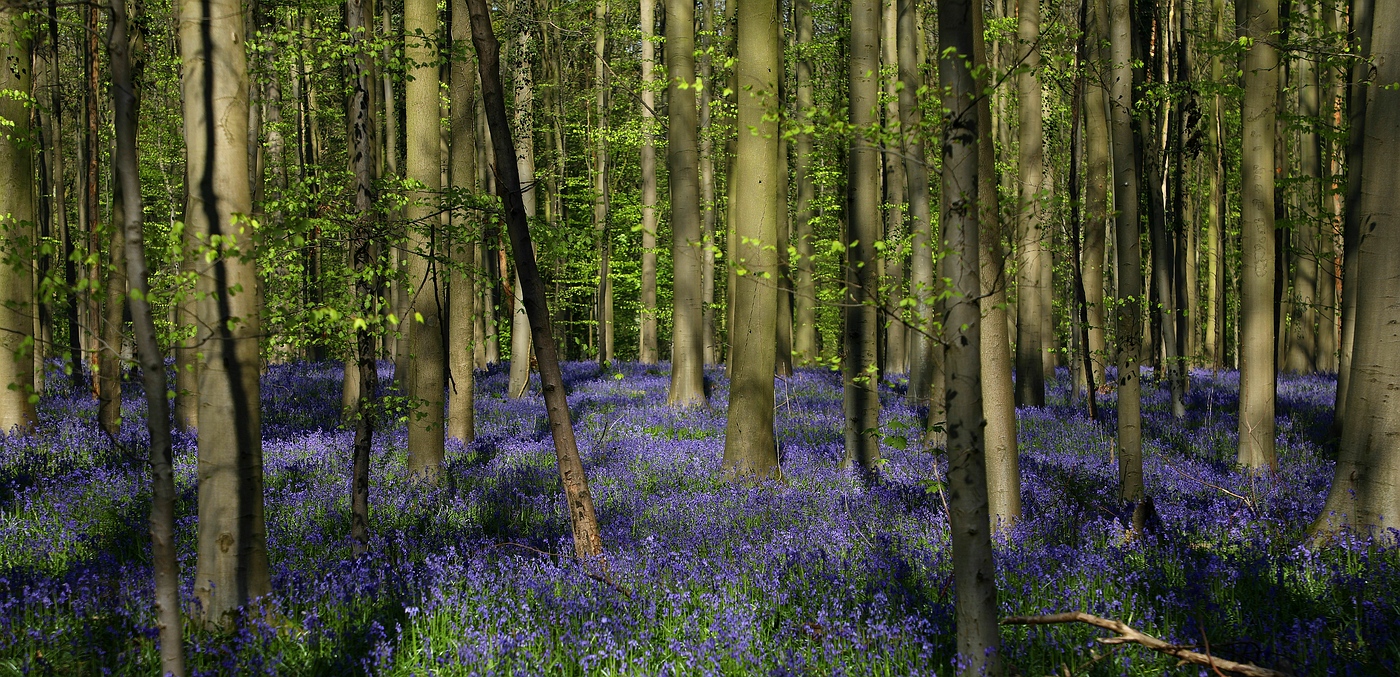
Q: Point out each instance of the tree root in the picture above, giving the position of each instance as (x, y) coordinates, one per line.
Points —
(1127, 635)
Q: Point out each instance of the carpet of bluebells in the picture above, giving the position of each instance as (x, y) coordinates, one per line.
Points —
(815, 576)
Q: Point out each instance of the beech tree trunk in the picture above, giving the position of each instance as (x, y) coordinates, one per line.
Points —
(16, 227)
(647, 348)
(860, 370)
(974, 579)
(1365, 492)
(688, 244)
(588, 541)
(1257, 330)
(1357, 108)
(750, 450)
(602, 82)
(232, 568)
(1032, 297)
(892, 313)
(924, 326)
(461, 313)
(1098, 176)
(804, 297)
(709, 244)
(1215, 210)
(524, 129)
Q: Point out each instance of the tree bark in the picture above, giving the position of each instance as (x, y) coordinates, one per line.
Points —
(423, 164)
(232, 568)
(647, 348)
(804, 297)
(892, 313)
(688, 245)
(921, 283)
(602, 82)
(462, 315)
(974, 579)
(62, 225)
(162, 520)
(1127, 236)
(17, 397)
(588, 540)
(707, 185)
(750, 450)
(524, 129)
(1256, 426)
(1357, 106)
(1032, 299)
(1098, 175)
(109, 407)
(1365, 493)
(860, 371)
(1215, 210)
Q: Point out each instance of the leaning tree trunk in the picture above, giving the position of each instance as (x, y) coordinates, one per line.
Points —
(232, 568)
(1032, 299)
(687, 244)
(1003, 465)
(750, 450)
(1257, 331)
(588, 541)
(860, 372)
(646, 336)
(162, 521)
(1128, 249)
(974, 579)
(16, 227)
(462, 315)
(1365, 493)
(524, 129)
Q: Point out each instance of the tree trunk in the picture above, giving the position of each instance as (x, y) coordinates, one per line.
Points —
(1098, 176)
(647, 350)
(1127, 236)
(1365, 493)
(974, 579)
(109, 408)
(60, 210)
(749, 446)
(162, 521)
(1257, 331)
(524, 129)
(423, 162)
(232, 567)
(782, 365)
(804, 297)
(1357, 107)
(16, 227)
(91, 209)
(602, 82)
(687, 243)
(860, 371)
(462, 315)
(924, 326)
(1032, 299)
(588, 540)
(1307, 241)
(892, 313)
(707, 185)
(1003, 465)
(1215, 211)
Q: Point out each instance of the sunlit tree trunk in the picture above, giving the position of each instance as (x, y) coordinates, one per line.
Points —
(860, 371)
(1032, 297)
(707, 185)
(647, 350)
(423, 164)
(524, 129)
(749, 446)
(924, 325)
(892, 314)
(804, 297)
(1257, 331)
(109, 349)
(232, 567)
(687, 242)
(462, 315)
(1215, 210)
(16, 228)
(602, 81)
(1365, 493)
(1098, 175)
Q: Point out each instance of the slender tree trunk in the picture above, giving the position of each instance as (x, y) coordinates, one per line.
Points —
(1215, 210)
(687, 242)
(647, 350)
(707, 184)
(974, 580)
(588, 540)
(602, 82)
(804, 297)
(232, 567)
(749, 446)
(1098, 175)
(162, 520)
(924, 326)
(462, 315)
(860, 370)
(1307, 244)
(60, 210)
(109, 410)
(1129, 256)
(1257, 331)
(1003, 464)
(423, 163)
(1357, 108)
(895, 360)
(524, 129)
(782, 365)
(1032, 302)
(1365, 493)
(16, 227)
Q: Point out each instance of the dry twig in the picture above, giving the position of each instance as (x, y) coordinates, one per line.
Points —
(601, 578)
(1128, 635)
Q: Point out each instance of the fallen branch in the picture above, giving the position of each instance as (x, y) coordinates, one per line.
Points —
(1128, 635)
(601, 578)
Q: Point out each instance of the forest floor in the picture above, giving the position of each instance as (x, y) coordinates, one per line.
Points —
(817, 576)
